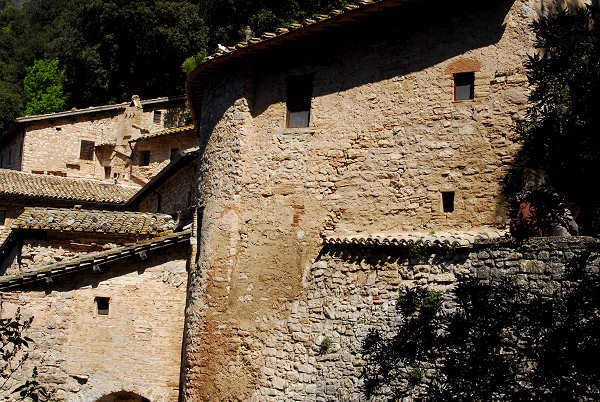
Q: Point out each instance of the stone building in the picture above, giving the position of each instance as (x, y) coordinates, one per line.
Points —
(170, 191)
(107, 290)
(107, 325)
(102, 143)
(387, 118)
(19, 190)
(43, 235)
(153, 151)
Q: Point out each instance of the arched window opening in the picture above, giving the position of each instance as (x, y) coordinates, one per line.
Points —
(123, 396)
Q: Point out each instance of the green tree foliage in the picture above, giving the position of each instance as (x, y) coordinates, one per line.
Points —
(15, 347)
(493, 342)
(44, 87)
(560, 134)
(111, 49)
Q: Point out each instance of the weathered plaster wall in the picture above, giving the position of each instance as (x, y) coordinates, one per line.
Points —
(351, 290)
(385, 139)
(136, 348)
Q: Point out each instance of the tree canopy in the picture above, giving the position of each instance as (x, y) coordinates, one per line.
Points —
(111, 49)
(560, 134)
(44, 86)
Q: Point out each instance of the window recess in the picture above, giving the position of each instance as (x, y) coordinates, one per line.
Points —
(299, 96)
(144, 158)
(102, 305)
(86, 151)
(464, 86)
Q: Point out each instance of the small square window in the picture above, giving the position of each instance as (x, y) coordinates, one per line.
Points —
(102, 304)
(464, 86)
(2, 217)
(174, 152)
(86, 152)
(157, 118)
(144, 158)
(107, 170)
(299, 98)
(448, 201)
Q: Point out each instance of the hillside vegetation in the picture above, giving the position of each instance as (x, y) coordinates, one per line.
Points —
(108, 50)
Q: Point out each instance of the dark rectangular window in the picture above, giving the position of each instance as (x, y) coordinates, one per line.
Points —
(144, 158)
(107, 172)
(86, 152)
(448, 201)
(102, 304)
(299, 97)
(174, 152)
(157, 116)
(464, 86)
(2, 218)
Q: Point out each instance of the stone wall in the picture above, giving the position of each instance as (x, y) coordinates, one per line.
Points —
(160, 154)
(176, 194)
(52, 146)
(386, 138)
(136, 347)
(351, 290)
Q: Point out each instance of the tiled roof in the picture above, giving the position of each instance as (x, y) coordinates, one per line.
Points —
(164, 133)
(458, 239)
(355, 8)
(94, 221)
(19, 184)
(93, 261)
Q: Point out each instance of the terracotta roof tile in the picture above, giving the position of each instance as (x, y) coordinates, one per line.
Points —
(295, 26)
(94, 221)
(19, 184)
(93, 261)
(459, 239)
(164, 133)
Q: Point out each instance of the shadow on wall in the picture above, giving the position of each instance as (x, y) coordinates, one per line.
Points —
(416, 36)
(411, 42)
(380, 256)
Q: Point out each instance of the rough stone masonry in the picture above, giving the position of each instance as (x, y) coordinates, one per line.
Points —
(386, 140)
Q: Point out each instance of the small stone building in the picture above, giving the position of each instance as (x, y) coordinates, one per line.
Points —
(107, 290)
(108, 324)
(386, 118)
(43, 235)
(95, 143)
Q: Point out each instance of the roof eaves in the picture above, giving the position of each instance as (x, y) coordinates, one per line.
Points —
(293, 31)
(163, 133)
(68, 113)
(47, 272)
(163, 100)
(96, 109)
